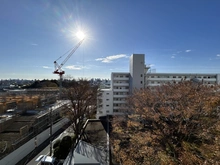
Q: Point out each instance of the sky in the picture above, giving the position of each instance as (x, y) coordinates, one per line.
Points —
(176, 36)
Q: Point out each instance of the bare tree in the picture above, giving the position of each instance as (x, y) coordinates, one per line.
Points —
(170, 124)
(83, 100)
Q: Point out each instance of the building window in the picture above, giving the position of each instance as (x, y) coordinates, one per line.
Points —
(141, 75)
(107, 105)
(141, 82)
(107, 111)
(107, 93)
(107, 99)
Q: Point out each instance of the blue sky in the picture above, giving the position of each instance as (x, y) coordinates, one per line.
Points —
(175, 36)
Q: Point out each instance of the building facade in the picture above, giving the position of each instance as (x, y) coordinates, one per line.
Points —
(155, 79)
(111, 101)
(120, 87)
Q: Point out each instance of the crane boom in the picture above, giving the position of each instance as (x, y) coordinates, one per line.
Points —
(58, 67)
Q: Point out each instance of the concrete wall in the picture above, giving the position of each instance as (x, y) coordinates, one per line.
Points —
(25, 149)
(137, 67)
(24, 130)
(6, 122)
(91, 152)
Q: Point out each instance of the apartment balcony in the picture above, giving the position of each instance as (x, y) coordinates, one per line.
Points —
(120, 96)
(121, 78)
(120, 90)
(209, 79)
(153, 84)
(121, 84)
(119, 108)
(116, 107)
(119, 102)
(160, 81)
(164, 79)
(118, 113)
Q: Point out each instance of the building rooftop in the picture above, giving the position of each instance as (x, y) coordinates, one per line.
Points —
(93, 150)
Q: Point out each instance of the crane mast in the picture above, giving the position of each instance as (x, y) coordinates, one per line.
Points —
(58, 68)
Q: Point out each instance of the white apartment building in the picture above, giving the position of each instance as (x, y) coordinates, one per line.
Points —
(154, 79)
(120, 87)
(105, 103)
(111, 101)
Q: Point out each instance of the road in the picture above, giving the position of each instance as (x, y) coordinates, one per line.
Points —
(45, 147)
(46, 150)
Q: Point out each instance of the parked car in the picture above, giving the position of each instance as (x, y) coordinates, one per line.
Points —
(47, 160)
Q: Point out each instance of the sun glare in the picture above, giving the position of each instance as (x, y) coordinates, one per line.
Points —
(80, 35)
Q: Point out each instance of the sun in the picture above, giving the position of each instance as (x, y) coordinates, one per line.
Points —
(80, 35)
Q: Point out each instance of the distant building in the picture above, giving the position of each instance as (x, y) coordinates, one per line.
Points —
(111, 101)
(105, 84)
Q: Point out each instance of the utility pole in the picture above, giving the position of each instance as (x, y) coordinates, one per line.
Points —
(51, 126)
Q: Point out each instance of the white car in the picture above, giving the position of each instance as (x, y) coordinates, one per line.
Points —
(47, 160)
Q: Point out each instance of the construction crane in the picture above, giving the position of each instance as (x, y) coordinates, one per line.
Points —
(58, 68)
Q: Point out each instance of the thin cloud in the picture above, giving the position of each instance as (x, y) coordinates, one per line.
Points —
(218, 55)
(33, 44)
(46, 67)
(187, 51)
(150, 65)
(110, 59)
(172, 56)
(74, 67)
